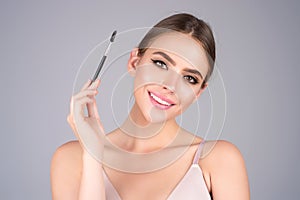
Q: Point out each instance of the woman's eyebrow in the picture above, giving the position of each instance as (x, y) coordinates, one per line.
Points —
(166, 57)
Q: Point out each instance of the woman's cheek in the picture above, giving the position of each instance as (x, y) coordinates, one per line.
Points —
(186, 95)
(148, 74)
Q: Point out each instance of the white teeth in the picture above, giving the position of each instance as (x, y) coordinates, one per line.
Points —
(159, 100)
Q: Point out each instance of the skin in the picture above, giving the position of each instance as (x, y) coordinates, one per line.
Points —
(76, 174)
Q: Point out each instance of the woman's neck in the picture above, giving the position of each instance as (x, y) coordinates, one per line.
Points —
(143, 136)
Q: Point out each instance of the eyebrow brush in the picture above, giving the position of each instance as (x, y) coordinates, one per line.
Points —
(112, 38)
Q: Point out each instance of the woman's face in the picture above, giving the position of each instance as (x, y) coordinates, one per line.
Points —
(168, 76)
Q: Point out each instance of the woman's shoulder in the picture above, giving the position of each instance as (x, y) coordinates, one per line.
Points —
(220, 152)
(220, 149)
(65, 172)
(224, 166)
(68, 152)
(214, 151)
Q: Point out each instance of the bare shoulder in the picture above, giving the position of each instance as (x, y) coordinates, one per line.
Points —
(67, 154)
(220, 148)
(220, 154)
(65, 173)
(225, 164)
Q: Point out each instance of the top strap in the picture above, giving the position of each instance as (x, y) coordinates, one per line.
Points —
(198, 152)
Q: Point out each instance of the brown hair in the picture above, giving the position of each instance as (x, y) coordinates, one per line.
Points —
(188, 24)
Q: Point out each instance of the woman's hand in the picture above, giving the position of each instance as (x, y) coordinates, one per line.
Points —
(88, 129)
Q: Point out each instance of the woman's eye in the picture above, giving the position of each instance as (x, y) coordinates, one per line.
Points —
(160, 64)
(191, 79)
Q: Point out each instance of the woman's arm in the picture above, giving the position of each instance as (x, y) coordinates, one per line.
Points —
(228, 173)
(92, 183)
(66, 169)
(75, 174)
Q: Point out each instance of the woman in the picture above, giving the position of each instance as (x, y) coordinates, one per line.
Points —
(171, 68)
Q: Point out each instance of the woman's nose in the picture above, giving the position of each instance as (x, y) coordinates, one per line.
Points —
(171, 80)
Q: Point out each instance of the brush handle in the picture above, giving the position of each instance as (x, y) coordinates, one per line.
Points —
(99, 69)
(112, 38)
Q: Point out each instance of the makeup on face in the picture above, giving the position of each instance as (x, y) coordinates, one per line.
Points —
(169, 75)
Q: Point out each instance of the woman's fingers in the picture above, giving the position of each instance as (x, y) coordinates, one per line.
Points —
(88, 90)
(84, 93)
(86, 97)
(89, 85)
(93, 110)
(92, 107)
(78, 107)
(86, 85)
(95, 84)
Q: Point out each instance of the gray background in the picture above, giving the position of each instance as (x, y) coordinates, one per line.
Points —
(43, 44)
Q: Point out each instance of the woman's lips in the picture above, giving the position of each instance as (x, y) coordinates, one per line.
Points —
(160, 101)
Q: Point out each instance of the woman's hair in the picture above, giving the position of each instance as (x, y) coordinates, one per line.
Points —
(187, 24)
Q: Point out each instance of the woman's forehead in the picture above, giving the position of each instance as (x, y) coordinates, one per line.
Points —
(182, 46)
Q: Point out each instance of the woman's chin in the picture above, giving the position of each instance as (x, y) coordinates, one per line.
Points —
(153, 115)
(155, 118)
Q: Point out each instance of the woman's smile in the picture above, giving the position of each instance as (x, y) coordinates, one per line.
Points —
(160, 101)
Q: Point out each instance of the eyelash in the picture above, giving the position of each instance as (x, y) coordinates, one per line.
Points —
(159, 63)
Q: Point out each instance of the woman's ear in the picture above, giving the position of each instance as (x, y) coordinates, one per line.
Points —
(133, 61)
